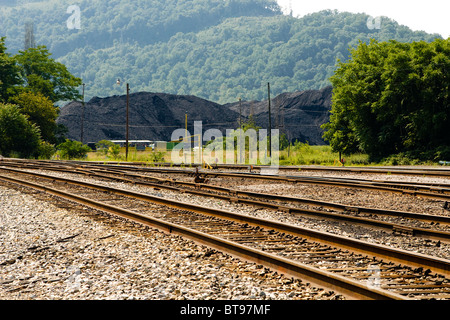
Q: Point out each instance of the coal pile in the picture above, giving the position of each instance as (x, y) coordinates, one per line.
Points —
(155, 116)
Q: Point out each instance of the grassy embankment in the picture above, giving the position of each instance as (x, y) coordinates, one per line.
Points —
(298, 154)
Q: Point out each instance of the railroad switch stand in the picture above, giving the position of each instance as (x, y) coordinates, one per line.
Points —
(198, 177)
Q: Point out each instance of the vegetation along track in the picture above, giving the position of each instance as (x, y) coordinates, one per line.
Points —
(355, 268)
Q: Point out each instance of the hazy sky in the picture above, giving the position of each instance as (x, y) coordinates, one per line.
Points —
(431, 16)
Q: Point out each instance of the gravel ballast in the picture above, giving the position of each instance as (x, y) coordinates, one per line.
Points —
(51, 252)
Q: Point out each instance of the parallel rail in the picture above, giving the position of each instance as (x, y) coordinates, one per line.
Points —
(246, 197)
(439, 192)
(393, 170)
(350, 287)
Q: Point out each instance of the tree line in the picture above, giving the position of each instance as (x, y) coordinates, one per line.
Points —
(393, 98)
(390, 91)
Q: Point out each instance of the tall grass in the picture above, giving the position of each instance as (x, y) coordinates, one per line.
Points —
(133, 156)
(295, 154)
(304, 154)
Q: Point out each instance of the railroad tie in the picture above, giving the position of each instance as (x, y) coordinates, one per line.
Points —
(401, 230)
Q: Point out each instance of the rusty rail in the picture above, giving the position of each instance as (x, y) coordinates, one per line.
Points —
(348, 287)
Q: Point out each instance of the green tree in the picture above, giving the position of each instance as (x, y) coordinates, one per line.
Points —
(46, 150)
(9, 73)
(108, 148)
(392, 97)
(212, 49)
(44, 75)
(18, 137)
(40, 111)
(72, 150)
(31, 80)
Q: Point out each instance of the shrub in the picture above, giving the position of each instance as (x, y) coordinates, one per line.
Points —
(108, 148)
(157, 156)
(18, 137)
(73, 150)
(46, 150)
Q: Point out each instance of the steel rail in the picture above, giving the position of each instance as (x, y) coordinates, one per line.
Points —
(348, 287)
(335, 183)
(442, 190)
(267, 196)
(443, 194)
(416, 260)
(438, 187)
(435, 172)
(234, 197)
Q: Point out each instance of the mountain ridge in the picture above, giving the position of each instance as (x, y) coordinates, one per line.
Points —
(216, 50)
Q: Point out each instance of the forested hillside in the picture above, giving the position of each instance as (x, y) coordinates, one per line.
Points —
(214, 49)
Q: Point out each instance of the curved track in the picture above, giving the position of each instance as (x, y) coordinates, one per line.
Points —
(305, 253)
(425, 190)
(352, 214)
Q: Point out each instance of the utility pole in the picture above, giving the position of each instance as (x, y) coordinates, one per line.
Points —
(270, 123)
(185, 126)
(128, 108)
(82, 118)
(240, 131)
(186, 139)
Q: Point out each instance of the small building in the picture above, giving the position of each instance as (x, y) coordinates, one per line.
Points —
(138, 144)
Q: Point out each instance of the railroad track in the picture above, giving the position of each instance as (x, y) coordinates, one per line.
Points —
(435, 191)
(352, 214)
(409, 171)
(424, 190)
(360, 215)
(354, 268)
